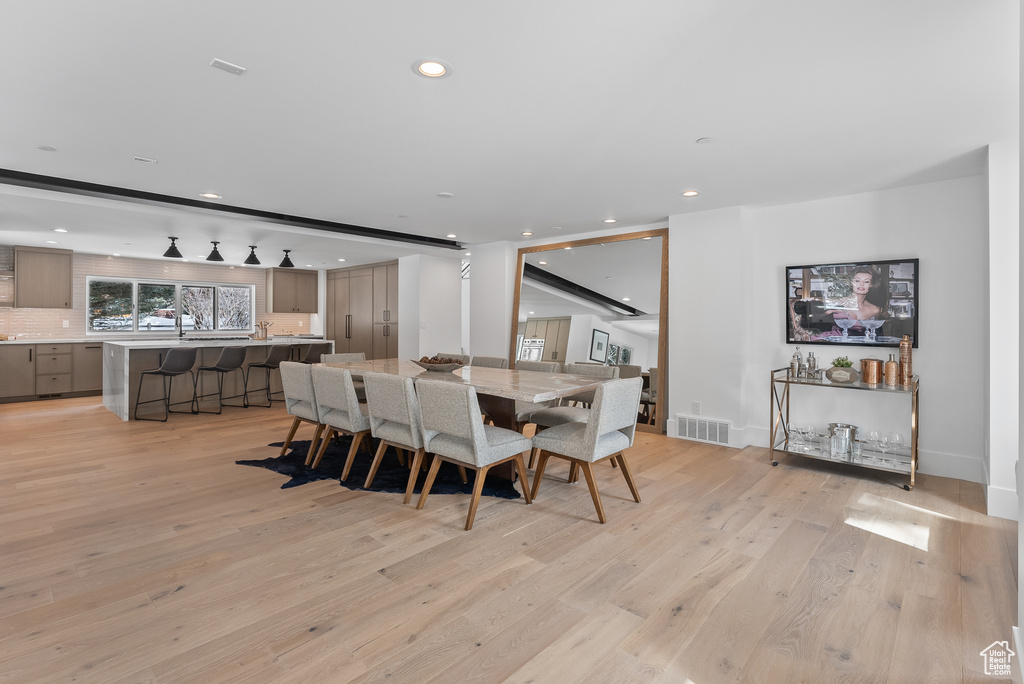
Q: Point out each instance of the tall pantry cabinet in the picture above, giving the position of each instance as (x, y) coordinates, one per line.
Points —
(362, 310)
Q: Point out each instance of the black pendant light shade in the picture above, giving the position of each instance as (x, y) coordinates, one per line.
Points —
(287, 263)
(215, 255)
(172, 251)
(251, 260)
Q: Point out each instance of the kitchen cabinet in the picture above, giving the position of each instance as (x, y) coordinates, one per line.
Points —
(291, 291)
(43, 278)
(362, 310)
(87, 367)
(17, 370)
(555, 333)
(350, 310)
(53, 368)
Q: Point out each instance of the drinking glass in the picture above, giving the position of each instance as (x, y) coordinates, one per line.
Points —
(895, 442)
(871, 324)
(846, 324)
(885, 444)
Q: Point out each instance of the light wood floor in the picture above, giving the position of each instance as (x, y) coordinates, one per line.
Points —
(139, 552)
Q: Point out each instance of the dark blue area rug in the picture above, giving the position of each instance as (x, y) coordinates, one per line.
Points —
(390, 477)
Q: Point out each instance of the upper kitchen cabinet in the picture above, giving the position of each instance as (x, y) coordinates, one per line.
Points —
(43, 278)
(291, 291)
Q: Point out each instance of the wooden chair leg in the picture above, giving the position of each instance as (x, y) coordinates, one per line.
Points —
(478, 488)
(431, 474)
(414, 471)
(291, 433)
(315, 458)
(539, 473)
(521, 468)
(375, 464)
(401, 456)
(356, 440)
(315, 443)
(462, 474)
(588, 472)
(653, 410)
(533, 456)
(574, 473)
(621, 458)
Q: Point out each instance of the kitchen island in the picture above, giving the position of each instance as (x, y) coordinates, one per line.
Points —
(123, 362)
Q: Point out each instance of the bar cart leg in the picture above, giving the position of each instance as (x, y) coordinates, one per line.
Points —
(775, 421)
(913, 436)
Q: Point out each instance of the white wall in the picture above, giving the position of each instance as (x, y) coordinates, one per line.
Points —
(492, 274)
(581, 328)
(727, 310)
(1002, 389)
(429, 305)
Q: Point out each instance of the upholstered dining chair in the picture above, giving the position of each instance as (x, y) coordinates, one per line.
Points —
(454, 431)
(649, 397)
(394, 420)
(629, 371)
(607, 434)
(178, 361)
(340, 411)
(596, 370)
(348, 357)
(275, 355)
(489, 362)
(229, 361)
(300, 401)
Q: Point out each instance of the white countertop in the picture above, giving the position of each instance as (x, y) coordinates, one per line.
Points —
(164, 341)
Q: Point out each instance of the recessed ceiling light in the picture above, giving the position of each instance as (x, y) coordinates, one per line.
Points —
(703, 141)
(432, 68)
(52, 242)
(210, 195)
(609, 220)
(625, 299)
(445, 195)
(543, 263)
(116, 254)
(530, 312)
(451, 235)
(340, 259)
(690, 193)
(646, 238)
(46, 148)
(468, 254)
(557, 228)
(309, 265)
(567, 248)
(60, 230)
(527, 233)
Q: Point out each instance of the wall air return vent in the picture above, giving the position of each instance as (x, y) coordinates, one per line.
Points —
(703, 429)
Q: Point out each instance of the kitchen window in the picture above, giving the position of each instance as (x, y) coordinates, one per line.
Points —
(139, 306)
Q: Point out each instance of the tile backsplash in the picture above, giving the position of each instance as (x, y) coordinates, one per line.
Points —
(49, 323)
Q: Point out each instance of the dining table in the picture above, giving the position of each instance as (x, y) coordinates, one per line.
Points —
(497, 389)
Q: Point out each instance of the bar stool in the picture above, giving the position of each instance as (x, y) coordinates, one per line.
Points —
(178, 361)
(277, 354)
(230, 360)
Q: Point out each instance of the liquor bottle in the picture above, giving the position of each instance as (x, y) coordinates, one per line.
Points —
(892, 371)
(795, 363)
(906, 372)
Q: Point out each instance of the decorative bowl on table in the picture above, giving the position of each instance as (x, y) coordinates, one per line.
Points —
(437, 365)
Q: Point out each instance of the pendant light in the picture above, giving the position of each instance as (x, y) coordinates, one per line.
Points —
(251, 260)
(287, 263)
(172, 251)
(215, 255)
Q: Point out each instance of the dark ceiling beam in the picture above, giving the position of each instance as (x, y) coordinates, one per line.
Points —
(559, 283)
(109, 192)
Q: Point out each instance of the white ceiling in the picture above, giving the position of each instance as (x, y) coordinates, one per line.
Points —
(556, 114)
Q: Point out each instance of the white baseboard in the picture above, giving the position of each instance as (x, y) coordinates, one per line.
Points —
(1001, 502)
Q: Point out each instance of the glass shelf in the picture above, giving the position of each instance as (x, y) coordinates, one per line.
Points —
(859, 385)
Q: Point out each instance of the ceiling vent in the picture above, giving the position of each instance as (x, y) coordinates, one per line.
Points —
(145, 160)
(228, 67)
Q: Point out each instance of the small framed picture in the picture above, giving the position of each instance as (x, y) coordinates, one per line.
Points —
(599, 345)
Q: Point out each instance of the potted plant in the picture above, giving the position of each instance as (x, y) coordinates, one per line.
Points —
(842, 370)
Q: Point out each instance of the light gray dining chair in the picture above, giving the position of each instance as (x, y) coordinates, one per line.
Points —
(340, 411)
(395, 420)
(454, 431)
(628, 371)
(489, 362)
(343, 357)
(348, 357)
(300, 401)
(649, 397)
(464, 358)
(596, 370)
(607, 434)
